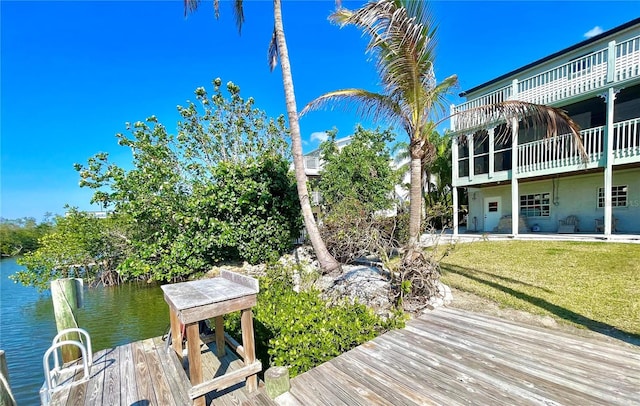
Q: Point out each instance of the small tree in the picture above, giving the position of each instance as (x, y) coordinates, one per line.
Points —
(360, 170)
(220, 190)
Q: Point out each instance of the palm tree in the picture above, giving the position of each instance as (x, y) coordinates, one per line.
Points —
(278, 50)
(402, 42)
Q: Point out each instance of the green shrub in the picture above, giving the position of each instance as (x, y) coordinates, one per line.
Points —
(301, 330)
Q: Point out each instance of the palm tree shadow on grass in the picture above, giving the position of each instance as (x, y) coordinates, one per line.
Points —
(561, 312)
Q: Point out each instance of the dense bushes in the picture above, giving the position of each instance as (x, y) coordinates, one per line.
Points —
(20, 236)
(301, 330)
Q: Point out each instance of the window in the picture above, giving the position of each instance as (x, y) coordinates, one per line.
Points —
(481, 152)
(536, 205)
(618, 196)
(502, 148)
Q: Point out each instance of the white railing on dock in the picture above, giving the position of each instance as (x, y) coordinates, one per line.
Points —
(626, 138)
(627, 59)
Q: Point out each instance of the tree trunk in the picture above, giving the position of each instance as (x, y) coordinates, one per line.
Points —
(415, 201)
(326, 260)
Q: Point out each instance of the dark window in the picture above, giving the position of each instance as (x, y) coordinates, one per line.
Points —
(502, 161)
(618, 196)
(535, 205)
(481, 164)
(463, 167)
(481, 142)
(463, 147)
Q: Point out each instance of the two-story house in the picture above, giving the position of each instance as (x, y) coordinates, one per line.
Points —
(525, 182)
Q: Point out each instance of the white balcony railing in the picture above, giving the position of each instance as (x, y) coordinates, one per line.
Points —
(571, 79)
(579, 76)
(311, 162)
(626, 139)
(497, 96)
(561, 151)
(627, 59)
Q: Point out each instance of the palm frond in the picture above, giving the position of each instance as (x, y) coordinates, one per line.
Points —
(272, 53)
(366, 104)
(190, 6)
(238, 12)
(552, 120)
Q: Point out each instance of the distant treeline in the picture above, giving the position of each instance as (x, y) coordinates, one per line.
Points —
(20, 236)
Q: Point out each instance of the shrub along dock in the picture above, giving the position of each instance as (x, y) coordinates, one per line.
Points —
(447, 356)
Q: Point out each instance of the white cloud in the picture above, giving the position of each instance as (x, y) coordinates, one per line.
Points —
(319, 136)
(593, 32)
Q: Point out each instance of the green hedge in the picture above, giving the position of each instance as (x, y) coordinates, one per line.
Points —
(301, 330)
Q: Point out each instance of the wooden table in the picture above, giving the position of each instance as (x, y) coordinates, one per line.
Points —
(191, 302)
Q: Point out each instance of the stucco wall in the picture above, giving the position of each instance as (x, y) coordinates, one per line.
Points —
(576, 195)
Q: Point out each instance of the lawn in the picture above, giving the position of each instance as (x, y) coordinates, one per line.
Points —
(592, 285)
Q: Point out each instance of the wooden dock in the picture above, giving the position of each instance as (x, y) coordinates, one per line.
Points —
(445, 357)
(144, 373)
(454, 357)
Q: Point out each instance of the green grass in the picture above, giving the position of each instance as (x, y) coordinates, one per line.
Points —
(592, 285)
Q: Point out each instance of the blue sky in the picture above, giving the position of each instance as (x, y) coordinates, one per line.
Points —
(72, 73)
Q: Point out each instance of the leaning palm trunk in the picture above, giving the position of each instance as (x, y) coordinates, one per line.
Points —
(415, 201)
(326, 260)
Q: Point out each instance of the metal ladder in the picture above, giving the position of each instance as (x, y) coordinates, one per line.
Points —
(51, 382)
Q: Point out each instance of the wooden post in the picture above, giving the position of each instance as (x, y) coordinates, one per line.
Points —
(220, 336)
(66, 295)
(276, 381)
(176, 335)
(195, 359)
(246, 323)
(6, 397)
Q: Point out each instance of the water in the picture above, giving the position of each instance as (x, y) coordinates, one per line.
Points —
(112, 316)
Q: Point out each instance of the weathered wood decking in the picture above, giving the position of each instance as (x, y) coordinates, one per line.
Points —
(453, 357)
(445, 357)
(144, 373)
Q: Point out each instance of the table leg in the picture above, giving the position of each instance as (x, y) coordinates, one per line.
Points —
(176, 336)
(246, 322)
(195, 359)
(220, 336)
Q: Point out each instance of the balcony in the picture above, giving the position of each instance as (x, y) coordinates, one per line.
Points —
(614, 64)
(556, 155)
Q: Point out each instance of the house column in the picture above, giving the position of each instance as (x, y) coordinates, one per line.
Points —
(608, 170)
(454, 190)
(454, 182)
(472, 165)
(515, 194)
(491, 132)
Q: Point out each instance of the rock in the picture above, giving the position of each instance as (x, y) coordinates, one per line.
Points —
(443, 296)
(365, 284)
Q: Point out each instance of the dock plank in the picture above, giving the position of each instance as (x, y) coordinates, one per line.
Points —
(128, 388)
(173, 371)
(111, 386)
(532, 362)
(93, 395)
(159, 380)
(141, 372)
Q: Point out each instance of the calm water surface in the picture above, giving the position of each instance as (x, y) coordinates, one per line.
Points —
(112, 316)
